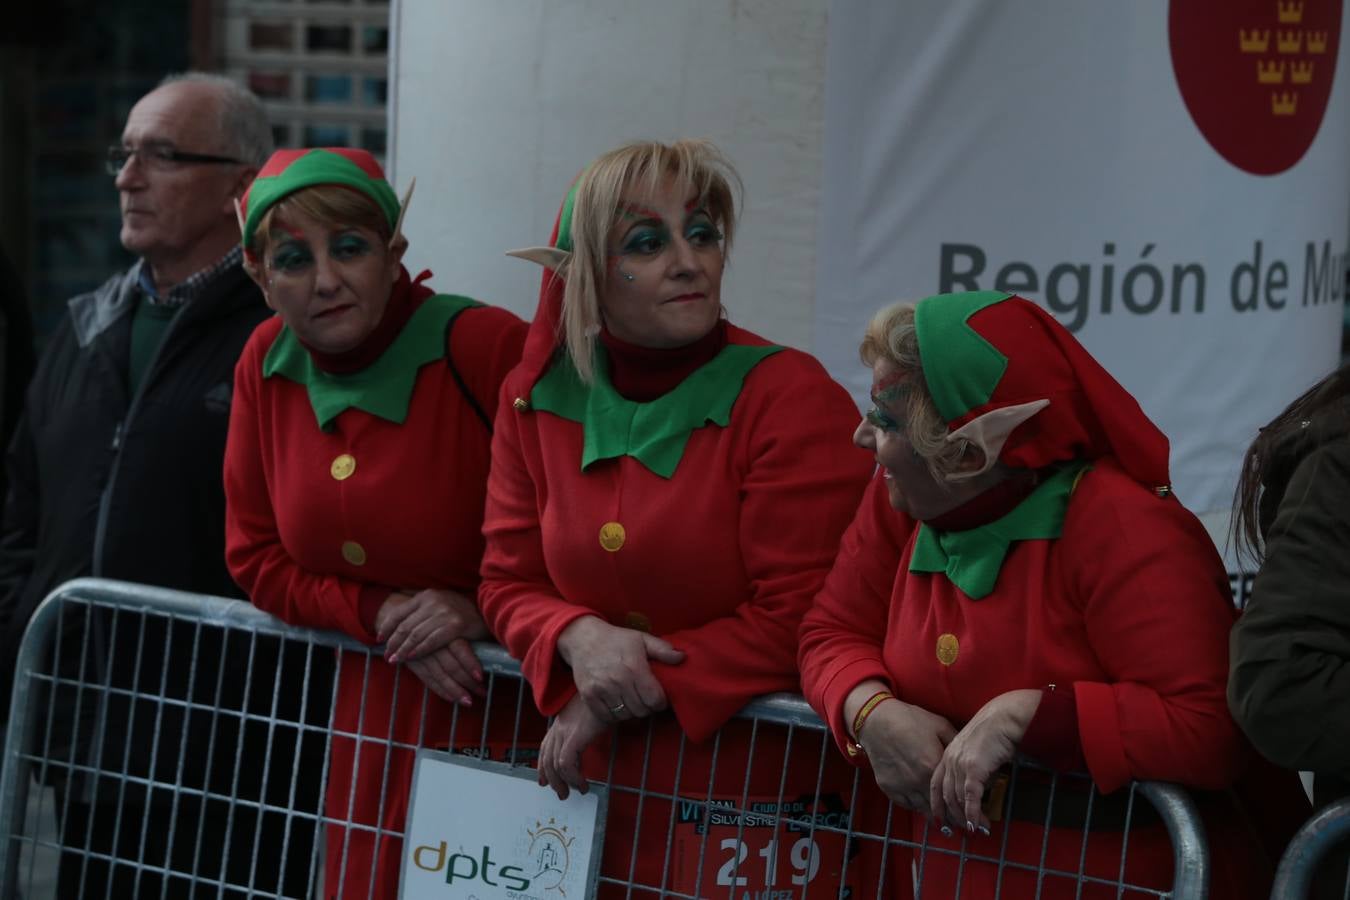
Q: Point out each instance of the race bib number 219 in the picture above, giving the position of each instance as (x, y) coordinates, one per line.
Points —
(769, 852)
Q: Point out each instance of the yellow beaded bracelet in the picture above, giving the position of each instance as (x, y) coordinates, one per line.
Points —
(866, 709)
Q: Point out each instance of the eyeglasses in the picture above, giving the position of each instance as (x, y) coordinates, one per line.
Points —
(159, 157)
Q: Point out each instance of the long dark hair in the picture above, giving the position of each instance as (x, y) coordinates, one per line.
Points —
(1260, 456)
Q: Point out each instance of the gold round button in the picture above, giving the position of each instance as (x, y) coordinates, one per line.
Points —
(520, 404)
(354, 553)
(612, 536)
(343, 466)
(637, 621)
(947, 649)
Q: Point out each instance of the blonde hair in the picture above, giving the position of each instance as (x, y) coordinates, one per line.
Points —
(695, 167)
(891, 335)
(331, 204)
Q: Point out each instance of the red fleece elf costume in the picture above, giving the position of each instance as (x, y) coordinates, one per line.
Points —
(1098, 582)
(351, 477)
(709, 516)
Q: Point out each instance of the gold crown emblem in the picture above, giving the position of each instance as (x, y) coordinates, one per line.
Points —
(1270, 72)
(1254, 41)
(1289, 41)
(1290, 13)
(1301, 73)
(1283, 103)
(1317, 42)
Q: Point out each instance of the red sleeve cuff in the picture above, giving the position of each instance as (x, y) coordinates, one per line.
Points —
(368, 603)
(1099, 730)
(1052, 736)
(543, 666)
(841, 683)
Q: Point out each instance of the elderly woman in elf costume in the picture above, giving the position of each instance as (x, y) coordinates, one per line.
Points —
(355, 473)
(667, 494)
(1019, 578)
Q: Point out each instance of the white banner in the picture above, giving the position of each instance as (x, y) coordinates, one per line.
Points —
(497, 106)
(1170, 180)
(480, 830)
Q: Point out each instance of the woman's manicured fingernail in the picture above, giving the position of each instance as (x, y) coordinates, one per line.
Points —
(970, 826)
(984, 830)
(946, 832)
(393, 659)
(466, 700)
(479, 676)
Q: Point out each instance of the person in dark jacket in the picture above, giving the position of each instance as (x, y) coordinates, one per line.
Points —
(16, 352)
(1289, 686)
(115, 471)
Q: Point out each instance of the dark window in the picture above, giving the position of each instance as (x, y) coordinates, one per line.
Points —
(375, 39)
(329, 38)
(373, 139)
(328, 88)
(270, 85)
(271, 36)
(375, 91)
(326, 135)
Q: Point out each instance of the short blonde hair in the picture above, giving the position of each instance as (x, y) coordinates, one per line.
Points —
(695, 167)
(891, 335)
(330, 204)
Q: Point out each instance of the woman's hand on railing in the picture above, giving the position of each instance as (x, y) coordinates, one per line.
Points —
(611, 670)
(430, 631)
(444, 673)
(987, 742)
(570, 733)
(904, 743)
(414, 624)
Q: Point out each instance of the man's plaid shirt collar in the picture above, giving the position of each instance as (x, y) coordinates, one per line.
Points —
(192, 286)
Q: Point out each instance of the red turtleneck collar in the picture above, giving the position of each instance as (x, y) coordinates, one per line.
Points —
(990, 506)
(642, 374)
(406, 295)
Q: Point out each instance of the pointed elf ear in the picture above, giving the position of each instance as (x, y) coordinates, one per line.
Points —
(990, 432)
(402, 211)
(548, 257)
(250, 262)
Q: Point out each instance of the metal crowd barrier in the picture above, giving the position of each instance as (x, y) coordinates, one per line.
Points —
(1311, 850)
(185, 743)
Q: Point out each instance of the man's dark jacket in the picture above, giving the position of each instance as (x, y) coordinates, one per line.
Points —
(109, 484)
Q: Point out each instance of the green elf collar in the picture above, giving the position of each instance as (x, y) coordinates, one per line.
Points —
(384, 388)
(654, 433)
(973, 558)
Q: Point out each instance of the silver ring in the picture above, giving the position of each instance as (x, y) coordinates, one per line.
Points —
(619, 709)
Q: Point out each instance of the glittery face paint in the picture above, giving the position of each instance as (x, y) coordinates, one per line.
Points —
(886, 393)
(664, 271)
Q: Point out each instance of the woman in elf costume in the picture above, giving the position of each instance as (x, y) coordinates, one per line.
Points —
(1019, 578)
(667, 494)
(355, 473)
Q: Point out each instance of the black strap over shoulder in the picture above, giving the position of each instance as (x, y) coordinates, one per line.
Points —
(459, 379)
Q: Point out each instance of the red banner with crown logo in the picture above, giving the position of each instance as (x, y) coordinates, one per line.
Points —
(1256, 75)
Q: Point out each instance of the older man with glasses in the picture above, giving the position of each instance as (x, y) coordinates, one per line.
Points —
(115, 471)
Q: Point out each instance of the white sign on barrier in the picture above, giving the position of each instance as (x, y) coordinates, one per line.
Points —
(485, 830)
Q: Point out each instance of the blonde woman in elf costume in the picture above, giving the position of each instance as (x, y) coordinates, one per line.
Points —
(667, 494)
(1019, 578)
(355, 474)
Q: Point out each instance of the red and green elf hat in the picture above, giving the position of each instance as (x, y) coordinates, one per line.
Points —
(1003, 373)
(546, 330)
(287, 171)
